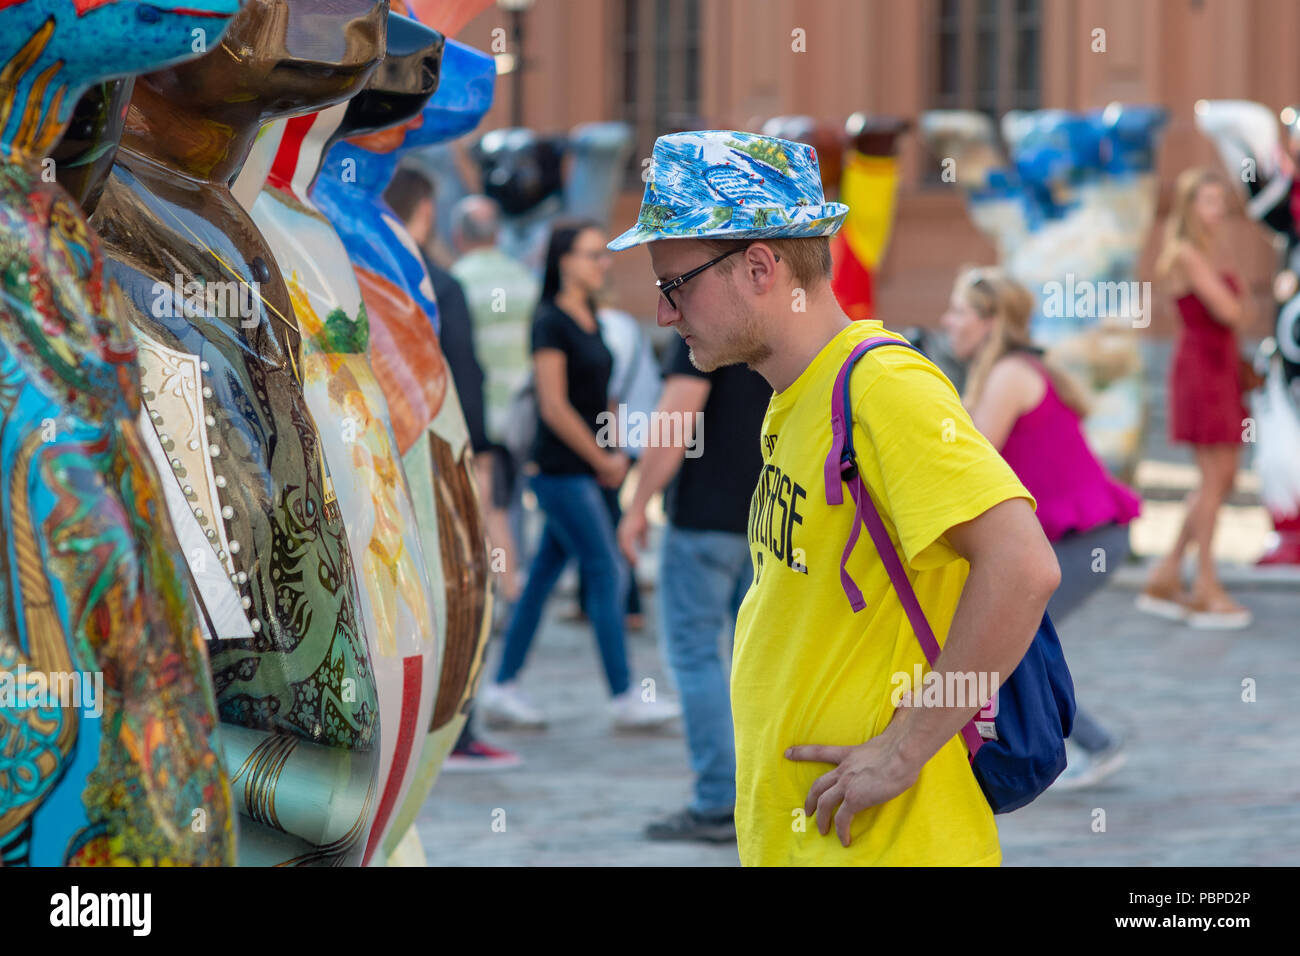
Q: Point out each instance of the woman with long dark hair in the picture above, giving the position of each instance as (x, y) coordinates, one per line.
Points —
(571, 370)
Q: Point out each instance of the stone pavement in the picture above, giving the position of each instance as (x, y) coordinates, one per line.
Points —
(1210, 780)
(584, 792)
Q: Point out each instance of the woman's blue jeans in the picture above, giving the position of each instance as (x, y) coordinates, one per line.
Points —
(577, 526)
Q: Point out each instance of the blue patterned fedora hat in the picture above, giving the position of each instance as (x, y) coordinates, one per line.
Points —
(719, 184)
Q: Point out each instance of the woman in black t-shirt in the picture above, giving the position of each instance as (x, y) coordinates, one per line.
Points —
(571, 368)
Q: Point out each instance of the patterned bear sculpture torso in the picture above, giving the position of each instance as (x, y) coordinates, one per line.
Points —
(352, 412)
(251, 494)
(409, 365)
(108, 752)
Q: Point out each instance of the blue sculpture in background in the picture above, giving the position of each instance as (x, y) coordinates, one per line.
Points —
(1069, 213)
(352, 179)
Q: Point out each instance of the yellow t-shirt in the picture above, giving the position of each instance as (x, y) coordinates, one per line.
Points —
(806, 669)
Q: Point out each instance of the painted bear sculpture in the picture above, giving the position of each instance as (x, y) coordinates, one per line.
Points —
(1069, 212)
(94, 594)
(249, 487)
(397, 596)
(405, 354)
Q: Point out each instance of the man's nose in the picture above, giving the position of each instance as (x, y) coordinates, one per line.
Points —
(666, 315)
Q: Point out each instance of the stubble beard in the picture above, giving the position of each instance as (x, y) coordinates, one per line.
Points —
(745, 347)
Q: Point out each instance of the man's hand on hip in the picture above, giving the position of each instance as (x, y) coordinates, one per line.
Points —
(865, 776)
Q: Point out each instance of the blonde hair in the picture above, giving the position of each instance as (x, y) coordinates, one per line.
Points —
(994, 295)
(1182, 226)
(809, 257)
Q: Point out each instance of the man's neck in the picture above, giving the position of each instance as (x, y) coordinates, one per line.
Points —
(795, 343)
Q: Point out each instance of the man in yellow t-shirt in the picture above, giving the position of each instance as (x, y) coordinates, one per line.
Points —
(820, 745)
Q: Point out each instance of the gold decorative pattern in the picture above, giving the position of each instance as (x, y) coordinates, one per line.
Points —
(263, 767)
(48, 645)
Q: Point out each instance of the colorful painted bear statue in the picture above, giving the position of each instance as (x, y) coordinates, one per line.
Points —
(397, 598)
(426, 414)
(108, 732)
(250, 490)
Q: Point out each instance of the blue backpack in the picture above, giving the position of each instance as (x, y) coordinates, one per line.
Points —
(1017, 755)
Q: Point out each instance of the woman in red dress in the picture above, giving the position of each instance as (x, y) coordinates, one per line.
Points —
(1205, 396)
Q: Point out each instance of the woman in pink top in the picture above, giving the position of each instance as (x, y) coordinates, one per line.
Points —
(1031, 411)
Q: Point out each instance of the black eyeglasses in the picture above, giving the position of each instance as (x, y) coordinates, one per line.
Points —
(666, 288)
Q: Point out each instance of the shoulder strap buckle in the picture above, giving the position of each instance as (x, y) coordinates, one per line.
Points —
(848, 466)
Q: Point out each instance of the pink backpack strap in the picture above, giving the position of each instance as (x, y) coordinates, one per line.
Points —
(841, 468)
(840, 463)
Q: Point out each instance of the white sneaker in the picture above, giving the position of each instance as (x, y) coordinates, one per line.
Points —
(630, 712)
(505, 706)
(1086, 770)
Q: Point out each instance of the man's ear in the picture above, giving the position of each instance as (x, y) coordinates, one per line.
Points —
(759, 264)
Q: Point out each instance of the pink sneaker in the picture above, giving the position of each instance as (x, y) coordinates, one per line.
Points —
(478, 755)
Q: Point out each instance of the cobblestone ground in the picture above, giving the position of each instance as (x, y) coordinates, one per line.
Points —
(584, 792)
(1211, 778)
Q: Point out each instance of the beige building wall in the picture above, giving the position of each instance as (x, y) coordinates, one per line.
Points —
(879, 56)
